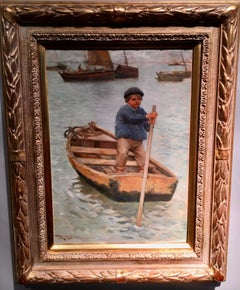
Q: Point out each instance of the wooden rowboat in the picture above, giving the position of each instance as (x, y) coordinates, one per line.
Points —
(92, 150)
(174, 76)
(89, 75)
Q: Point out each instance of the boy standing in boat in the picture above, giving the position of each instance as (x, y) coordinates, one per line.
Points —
(131, 126)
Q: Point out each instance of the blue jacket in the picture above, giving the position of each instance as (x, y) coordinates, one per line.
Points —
(131, 123)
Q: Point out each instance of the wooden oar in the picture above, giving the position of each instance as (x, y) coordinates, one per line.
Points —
(145, 173)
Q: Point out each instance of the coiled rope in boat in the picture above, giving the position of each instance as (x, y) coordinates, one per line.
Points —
(82, 131)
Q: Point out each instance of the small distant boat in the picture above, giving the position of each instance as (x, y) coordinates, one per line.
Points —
(97, 67)
(124, 71)
(174, 76)
(92, 150)
(54, 63)
(176, 63)
(59, 66)
(97, 75)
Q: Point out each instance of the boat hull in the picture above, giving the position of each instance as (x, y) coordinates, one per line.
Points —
(127, 187)
(125, 71)
(88, 76)
(174, 76)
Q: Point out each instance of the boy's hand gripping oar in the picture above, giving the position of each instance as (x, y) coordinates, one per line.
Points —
(145, 173)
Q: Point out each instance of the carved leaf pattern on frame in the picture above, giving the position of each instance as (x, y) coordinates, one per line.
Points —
(120, 14)
(224, 133)
(16, 145)
(122, 275)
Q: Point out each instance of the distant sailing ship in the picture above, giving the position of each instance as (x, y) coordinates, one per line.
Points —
(58, 65)
(175, 63)
(99, 66)
(124, 71)
(174, 76)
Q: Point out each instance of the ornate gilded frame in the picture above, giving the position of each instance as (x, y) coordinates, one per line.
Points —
(27, 29)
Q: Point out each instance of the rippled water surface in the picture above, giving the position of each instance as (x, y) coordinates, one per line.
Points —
(82, 214)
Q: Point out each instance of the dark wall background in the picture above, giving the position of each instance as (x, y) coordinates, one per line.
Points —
(233, 269)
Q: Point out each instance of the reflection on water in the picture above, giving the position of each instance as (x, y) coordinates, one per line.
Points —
(81, 213)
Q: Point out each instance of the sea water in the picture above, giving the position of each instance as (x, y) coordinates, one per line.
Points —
(82, 214)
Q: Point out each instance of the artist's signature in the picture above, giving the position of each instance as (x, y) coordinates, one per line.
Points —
(70, 237)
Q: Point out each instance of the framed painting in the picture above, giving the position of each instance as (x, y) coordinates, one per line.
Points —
(68, 69)
(110, 209)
